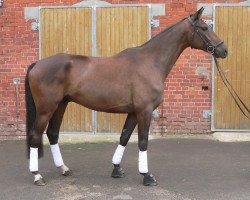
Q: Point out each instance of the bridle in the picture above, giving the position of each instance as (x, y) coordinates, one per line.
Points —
(209, 44)
(211, 49)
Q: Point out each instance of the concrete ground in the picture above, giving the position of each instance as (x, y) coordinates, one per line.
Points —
(200, 169)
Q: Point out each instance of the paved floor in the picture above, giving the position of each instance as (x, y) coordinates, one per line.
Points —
(185, 169)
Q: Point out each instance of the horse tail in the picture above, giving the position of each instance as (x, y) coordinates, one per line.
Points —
(30, 113)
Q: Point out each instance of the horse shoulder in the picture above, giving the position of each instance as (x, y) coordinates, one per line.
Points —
(148, 87)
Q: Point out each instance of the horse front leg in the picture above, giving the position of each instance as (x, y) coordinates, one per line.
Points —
(144, 120)
(127, 130)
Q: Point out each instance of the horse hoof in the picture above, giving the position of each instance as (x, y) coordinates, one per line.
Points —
(40, 182)
(118, 172)
(67, 173)
(149, 180)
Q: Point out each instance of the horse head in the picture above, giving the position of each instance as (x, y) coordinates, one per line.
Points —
(201, 36)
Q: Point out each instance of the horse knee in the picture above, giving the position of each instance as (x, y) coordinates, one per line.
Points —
(143, 144)
(35, 140)
(53, 135)
(125, 138)
(53, 138)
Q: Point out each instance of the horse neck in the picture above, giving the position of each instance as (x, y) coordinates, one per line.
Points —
(167, 46)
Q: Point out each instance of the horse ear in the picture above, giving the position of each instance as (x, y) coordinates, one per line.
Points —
(198, 14)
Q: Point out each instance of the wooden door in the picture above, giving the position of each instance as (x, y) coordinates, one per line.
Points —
(68, 30)
(118, 28)
(72, 30)
(232, 24)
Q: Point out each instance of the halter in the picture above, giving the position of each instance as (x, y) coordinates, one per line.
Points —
(210, 47)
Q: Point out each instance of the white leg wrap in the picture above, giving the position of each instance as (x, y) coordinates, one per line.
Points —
(117, 157)
(33, 165)
(57, 156)
(143, 162)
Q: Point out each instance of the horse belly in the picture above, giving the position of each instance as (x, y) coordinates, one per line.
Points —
(101, 86)
(104, 99)
(109, 108)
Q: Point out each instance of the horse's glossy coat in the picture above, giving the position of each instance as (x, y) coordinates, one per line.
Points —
(130, 82)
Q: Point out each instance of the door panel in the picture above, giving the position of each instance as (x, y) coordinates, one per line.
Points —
(232, 24)
(68, 30)
(119, 28)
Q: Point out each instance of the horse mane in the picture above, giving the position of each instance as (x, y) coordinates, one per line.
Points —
(166, 30)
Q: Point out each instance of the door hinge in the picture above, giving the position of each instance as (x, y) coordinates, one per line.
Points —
(155, 23)
(206, 114)
(35, 26)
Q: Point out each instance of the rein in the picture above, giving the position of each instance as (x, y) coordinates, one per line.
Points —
(210, 47)
(241, 105)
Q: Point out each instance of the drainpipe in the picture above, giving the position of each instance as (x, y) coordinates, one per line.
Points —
(17, 82)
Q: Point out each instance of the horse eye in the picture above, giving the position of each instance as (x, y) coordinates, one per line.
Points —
(205, 28)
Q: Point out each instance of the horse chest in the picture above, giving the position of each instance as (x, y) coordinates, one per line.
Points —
(148, 93)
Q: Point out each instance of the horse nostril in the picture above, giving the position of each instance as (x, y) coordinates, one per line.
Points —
(226, 52)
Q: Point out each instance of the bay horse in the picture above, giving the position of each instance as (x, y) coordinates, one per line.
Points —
(131, 82)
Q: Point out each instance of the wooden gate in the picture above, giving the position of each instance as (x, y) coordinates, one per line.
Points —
(118, 28)
(68, 30)
(232, 24)
(97, 31)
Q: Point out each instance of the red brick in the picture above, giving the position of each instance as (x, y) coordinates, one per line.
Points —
(184, 100)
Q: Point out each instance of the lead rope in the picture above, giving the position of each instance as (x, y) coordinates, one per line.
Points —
(237, 99)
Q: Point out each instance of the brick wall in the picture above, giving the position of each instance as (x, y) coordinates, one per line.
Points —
(18, 48)
(186, 94)
(184, 100)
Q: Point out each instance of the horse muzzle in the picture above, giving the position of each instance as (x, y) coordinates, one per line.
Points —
(219, 51)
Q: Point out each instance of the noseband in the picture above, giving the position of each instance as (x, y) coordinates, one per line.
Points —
(209, 45)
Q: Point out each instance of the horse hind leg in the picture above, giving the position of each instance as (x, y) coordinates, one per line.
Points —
(127, 130)
(35, 143)
(44, 111)
(53, 136)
